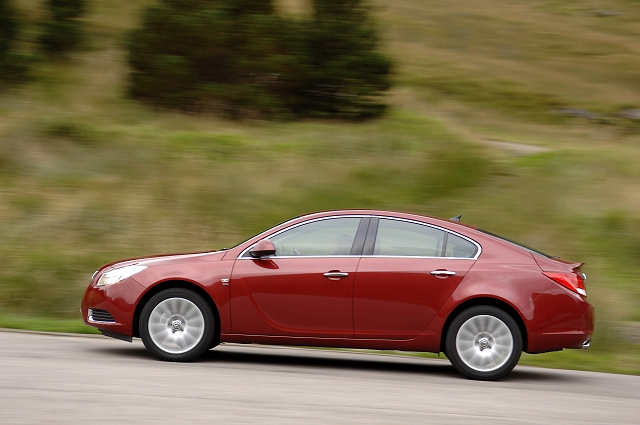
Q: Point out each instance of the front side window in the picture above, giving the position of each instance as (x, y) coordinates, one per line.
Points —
(401, 238)
(324, 237)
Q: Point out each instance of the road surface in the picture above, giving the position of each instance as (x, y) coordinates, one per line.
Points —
(52, 379)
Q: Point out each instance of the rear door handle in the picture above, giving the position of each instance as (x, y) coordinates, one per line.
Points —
(443, 273)
(335, 275)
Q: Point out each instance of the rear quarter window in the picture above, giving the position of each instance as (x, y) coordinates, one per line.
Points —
(458, 247)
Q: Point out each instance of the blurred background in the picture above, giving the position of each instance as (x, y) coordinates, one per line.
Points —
(156, 126)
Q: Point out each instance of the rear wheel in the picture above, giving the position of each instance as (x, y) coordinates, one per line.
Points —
(177, 325)
(484, 343)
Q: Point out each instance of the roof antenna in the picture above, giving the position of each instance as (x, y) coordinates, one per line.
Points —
(456, 218)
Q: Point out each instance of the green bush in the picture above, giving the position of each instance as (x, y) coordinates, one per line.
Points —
(13, 64)
(63, 32)
(8, 28)
(240, 57)
(205, 53)
(347, 74)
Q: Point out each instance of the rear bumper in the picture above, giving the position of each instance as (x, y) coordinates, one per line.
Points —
(559, 319)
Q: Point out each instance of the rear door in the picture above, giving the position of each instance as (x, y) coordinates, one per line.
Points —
(406, 274)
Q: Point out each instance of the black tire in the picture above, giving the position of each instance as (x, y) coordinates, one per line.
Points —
(177, 325)
(483, 343)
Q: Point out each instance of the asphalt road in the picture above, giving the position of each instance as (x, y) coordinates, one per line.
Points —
(50, 379)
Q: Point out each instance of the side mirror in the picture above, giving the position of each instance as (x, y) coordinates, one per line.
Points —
(264, 248)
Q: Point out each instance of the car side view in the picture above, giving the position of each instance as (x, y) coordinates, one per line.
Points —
(352, 279)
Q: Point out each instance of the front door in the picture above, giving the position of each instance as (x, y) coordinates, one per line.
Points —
(305, 289)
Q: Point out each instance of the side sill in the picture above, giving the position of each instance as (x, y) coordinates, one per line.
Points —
(116, 335)
(544, 351)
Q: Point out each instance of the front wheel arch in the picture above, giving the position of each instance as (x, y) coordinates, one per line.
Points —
(172, 284)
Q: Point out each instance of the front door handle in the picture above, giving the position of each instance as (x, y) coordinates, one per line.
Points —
(335, 275)
(443, 273)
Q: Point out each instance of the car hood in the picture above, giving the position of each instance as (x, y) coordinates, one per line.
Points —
(165, 259)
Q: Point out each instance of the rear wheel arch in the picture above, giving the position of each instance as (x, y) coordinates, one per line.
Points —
(494, 302)
(171, 284)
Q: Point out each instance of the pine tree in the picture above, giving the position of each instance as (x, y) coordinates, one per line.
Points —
(8, 28)
(348, 75)
(208, 52)
(13, 64)
(240, 56)
(63, 31)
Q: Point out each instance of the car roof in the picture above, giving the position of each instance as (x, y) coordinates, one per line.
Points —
(383, 213)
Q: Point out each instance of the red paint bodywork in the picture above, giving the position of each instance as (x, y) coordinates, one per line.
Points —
(383, 303)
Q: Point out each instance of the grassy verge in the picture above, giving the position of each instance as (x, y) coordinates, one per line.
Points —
(624, 359)
(88, 176)
(46, 324)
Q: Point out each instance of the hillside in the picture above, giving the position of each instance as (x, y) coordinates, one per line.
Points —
(517, 115)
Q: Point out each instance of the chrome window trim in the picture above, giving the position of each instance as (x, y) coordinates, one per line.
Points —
(300, 256)
(416, 256)
(475, 257)
(355, 256)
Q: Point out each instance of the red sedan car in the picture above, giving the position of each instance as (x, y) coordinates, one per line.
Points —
(357, 279)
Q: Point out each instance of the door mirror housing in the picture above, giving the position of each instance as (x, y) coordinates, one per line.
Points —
(264, 248)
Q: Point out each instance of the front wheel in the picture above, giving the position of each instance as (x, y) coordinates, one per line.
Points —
(484, 343)
(177, 325)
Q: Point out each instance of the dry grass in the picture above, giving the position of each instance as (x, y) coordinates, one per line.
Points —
(539, 46)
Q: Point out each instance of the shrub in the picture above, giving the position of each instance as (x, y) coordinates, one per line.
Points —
(63, 31)
(13, 64)
(8, 28)
(347, 73)
(198, 53)
(239, 56)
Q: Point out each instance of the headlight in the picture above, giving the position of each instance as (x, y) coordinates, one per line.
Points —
(115, 276)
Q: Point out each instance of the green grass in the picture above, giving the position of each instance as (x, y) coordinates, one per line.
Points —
(623, 360)
(88, 176)
(45, 324)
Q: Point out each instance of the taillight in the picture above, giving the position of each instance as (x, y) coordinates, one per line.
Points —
(572, 281)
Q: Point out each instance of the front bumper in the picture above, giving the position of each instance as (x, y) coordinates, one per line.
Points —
(112, 306)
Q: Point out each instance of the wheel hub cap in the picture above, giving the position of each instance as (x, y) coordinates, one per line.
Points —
(484, 343)
(176, 326)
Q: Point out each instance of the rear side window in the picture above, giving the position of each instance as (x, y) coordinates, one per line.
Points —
(401, 238)
(406, 239)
